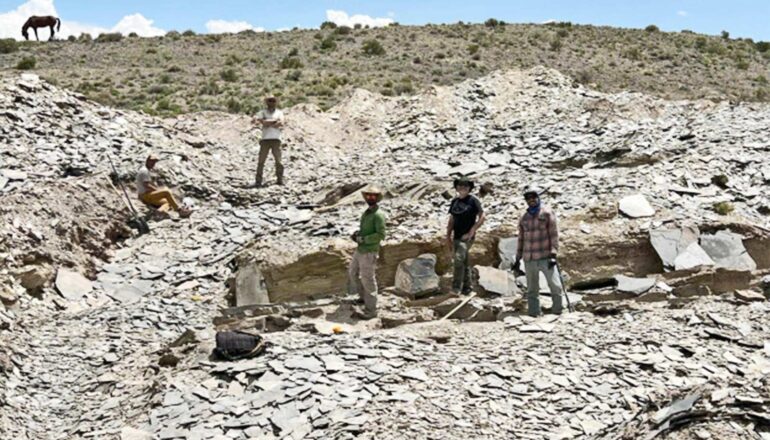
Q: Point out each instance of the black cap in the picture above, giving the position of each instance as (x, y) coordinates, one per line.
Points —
(463, 181)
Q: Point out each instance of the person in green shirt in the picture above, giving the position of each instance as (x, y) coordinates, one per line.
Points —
(362, 273)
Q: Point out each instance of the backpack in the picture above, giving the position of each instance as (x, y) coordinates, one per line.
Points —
(234, 345)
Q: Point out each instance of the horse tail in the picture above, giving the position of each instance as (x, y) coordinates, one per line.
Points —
(58, 24)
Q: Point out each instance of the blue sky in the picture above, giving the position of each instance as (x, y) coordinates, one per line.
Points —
(742, 18)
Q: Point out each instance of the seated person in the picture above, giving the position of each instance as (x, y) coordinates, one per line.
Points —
(151, 194)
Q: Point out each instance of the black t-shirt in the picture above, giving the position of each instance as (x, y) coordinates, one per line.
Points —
(464, 212)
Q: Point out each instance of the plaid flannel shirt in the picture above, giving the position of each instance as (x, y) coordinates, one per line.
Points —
(538, 235)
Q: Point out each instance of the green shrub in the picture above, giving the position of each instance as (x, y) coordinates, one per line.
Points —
(291, 63)
(229, 75)
(742, 65)
(174, 69)
(26, 63)
(343, 30)
(562, 33)
(328, 43)
(652, 28)
(762, 46)
(72, 38)
(8, 45)
(189, 33)
(173, 35)
(473, 48)
(85, 38)
(112, 37)
(723, 208)
(234, 105)
(328, 25)
(556, 44)
(133, 35)
(725, 35)
(373, 47)
(294, 75)
(293, 52)
(493, 22)
(211, 88)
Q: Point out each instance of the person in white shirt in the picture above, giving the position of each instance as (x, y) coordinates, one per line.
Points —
(150, 193)
(271, 120)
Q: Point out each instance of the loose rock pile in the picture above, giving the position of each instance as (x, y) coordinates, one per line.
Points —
(107, 334)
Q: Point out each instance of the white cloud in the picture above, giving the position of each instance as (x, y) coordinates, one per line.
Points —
(224, 26)
(341, 18)
(681, 13)
(139, 24)
(12, 21)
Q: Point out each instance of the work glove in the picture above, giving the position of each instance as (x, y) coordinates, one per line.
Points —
(552, 261)
(354, 236)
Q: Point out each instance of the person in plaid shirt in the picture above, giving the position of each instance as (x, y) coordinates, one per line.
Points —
(538, 245)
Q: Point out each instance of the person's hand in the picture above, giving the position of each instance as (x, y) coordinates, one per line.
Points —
(468, 236)
(552, 261)
(449, 244)
(517, 266)
(354, 236)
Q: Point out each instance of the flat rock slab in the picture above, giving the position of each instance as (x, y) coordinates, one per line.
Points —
(727, 251)
(669, 243)
(749, 295)
(636, 206)
(250, 286)
(693, 256)
(496, 281)
(14, 174)
(72, 285)
(128, 433)
(637, 286)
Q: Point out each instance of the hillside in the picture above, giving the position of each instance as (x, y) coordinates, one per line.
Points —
(186, 72)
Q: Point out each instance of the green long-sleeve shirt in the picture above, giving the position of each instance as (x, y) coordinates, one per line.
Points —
(372, 230)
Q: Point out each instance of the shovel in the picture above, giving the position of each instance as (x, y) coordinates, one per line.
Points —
(564, 287)
(138, 222)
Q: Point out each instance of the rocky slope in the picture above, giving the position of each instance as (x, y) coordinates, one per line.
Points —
(109, 354)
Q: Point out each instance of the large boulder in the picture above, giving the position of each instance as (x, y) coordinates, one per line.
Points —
(727, 251)
(417, 276)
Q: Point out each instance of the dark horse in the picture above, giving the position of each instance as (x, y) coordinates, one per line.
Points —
(35, 22)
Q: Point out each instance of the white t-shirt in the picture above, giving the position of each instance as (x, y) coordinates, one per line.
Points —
(271, 132)
(142, 177)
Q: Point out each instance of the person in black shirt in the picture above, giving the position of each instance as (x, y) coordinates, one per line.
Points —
(466, 217)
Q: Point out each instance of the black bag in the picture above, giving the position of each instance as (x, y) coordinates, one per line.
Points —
(236, 345)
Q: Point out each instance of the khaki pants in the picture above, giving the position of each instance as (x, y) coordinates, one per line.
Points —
(461, 281)
(532, 269)
(362, 278)
(265, 146)
(160, 198)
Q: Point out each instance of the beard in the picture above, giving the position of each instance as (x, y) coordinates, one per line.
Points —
(371, 202)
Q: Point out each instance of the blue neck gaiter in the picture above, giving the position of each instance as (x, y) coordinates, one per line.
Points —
(534, 210)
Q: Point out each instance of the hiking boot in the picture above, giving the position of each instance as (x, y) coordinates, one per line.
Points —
(364, 314)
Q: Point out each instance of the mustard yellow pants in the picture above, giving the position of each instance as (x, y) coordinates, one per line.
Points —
(161, 199)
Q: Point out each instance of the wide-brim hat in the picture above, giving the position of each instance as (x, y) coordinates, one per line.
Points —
(152, 157)
(464, 181)
(373, 189)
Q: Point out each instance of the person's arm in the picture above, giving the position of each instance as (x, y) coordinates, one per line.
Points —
(379, 231)
(449, 228)
(479, 222)
(278, 123)
(553, 233)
